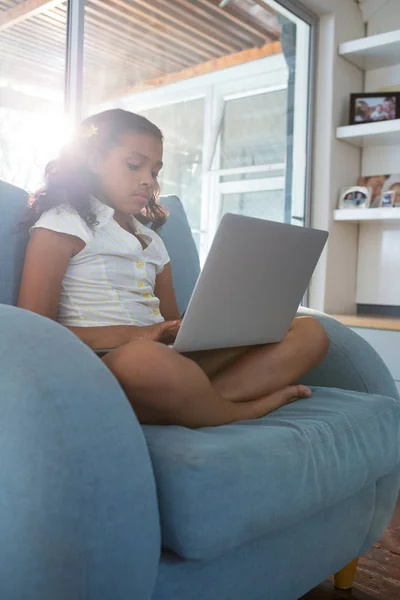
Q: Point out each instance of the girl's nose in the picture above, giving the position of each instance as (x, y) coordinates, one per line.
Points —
(147, 179)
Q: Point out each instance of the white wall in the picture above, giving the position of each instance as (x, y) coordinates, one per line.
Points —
(336, 164)
(361, 264)
(385, 19)
(378, 280)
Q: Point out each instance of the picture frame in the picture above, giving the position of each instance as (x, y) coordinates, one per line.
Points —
(387, 199)
(374, 107)
(380, 184)
(355, 197)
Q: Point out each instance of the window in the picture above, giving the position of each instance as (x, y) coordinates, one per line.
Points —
(183, 154)
(244, 119)
(32, 57)
(221, 79)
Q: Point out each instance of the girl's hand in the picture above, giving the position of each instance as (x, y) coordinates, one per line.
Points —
(165, 332)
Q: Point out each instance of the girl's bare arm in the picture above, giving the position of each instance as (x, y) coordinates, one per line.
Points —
(47, 258)
(165, 292)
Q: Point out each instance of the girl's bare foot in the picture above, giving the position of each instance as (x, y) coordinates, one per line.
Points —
(254, 409)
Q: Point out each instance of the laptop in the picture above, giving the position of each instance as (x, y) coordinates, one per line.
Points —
(251, 285)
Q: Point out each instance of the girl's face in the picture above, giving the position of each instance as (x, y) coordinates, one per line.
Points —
(128, 173)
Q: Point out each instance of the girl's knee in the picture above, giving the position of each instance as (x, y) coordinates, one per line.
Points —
(146, 371)
(314, 334)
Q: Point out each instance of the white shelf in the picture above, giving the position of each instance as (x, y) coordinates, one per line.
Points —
(382, 133)
(359, 215)
(373, 52)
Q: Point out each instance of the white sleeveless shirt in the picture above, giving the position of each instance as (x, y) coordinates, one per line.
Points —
(111, 281)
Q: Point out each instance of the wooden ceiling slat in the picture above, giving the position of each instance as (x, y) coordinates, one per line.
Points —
(211, 29)
(110, 26)
(47, 41)
(214, 5)
(39, 43)
(182, 21)
(217, 64)
(132, 45)
(45, 46)
(56, 15)
(240, 8)
(156, 27)
(220, 23)
(96, 41)
(21, 56)
(24, 10)
(33, 51)
(172, 43)
(121, 53)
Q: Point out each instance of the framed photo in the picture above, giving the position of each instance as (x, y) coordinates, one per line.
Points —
(355, 197)
(380, 184)
(370, 108)
(387, 199)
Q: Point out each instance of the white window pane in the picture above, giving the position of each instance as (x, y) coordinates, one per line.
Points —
(32, 74)
(254, 130)
(262, 205)
(182, 126)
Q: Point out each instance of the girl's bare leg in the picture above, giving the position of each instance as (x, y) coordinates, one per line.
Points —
(248, 374)
(167, 388)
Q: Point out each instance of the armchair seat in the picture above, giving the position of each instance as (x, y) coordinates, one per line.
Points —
(223, 487)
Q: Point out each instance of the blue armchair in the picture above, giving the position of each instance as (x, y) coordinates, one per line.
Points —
(96, 507)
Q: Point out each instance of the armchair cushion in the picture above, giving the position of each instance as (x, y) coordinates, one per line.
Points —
(222, 487)
(13, 202)
(182, 250)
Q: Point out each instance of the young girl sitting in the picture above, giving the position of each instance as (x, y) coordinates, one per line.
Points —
(92, 265)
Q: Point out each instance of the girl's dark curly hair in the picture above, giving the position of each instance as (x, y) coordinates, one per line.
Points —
(69, 181)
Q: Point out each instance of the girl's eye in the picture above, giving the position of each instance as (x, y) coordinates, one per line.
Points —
(133, 167)
(155, 175)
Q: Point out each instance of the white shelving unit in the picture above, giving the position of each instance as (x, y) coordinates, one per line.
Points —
(373, 52)
(382, 133)
(361, 215)
(376, 231)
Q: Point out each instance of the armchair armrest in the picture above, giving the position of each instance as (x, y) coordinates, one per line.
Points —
(79, 516)
(351, 364)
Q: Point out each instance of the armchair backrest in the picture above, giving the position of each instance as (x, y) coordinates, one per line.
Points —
(13, 202)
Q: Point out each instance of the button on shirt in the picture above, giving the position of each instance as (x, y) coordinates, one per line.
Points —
(111, 281)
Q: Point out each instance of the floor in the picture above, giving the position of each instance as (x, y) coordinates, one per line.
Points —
(378, 573)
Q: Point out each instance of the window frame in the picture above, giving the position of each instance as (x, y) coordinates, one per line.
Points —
(291, 9)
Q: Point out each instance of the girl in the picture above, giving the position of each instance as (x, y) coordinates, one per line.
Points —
(94, 266)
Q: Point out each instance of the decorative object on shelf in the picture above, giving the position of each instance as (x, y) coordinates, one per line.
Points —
(387, 199)
(392, 184)
(355, 197)
(373, 107)
(376, 183)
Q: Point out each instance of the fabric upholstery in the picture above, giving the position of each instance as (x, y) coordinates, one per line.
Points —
(286, 564)
(13, 202)
(351, 364)
(268, 507)
(182, 250)
(265, 475)
(78, 516)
